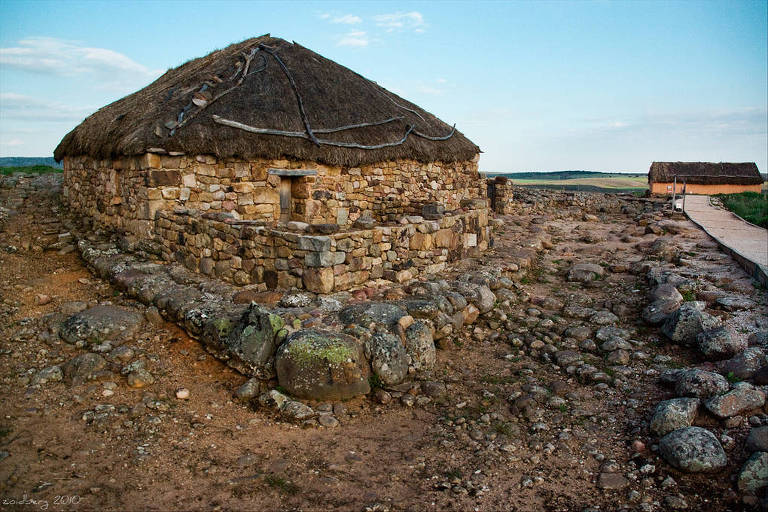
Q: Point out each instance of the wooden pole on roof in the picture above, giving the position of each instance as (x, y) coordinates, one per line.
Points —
(685, 191)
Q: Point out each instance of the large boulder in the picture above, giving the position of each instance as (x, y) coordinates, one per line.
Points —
(100, 324)
(693, 450)
(367, 313)
(388, 358)
(687, 322)
(674, 414)
(322, 365)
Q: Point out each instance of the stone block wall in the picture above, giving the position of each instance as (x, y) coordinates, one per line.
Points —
(500, 193)
(244, 253)
(125, 193)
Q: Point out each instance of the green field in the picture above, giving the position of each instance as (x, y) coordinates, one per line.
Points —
(750, 206)
(588, 181)
(28, 169)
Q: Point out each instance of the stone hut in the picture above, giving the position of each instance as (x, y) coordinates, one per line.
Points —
(233, 163)
(704, 177)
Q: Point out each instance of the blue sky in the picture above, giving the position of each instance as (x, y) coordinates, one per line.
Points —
(537, 85)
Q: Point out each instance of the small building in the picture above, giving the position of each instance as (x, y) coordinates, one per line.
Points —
(704, 178)
(229, 161)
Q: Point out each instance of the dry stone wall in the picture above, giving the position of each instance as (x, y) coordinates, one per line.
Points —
(243, 253)
(125, 193)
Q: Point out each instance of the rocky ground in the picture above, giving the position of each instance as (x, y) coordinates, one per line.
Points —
(620, 367)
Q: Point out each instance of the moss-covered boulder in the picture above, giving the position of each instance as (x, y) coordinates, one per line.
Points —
(246, 337)
(322, 365)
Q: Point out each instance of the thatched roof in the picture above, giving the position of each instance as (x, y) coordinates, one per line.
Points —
(265, 83)
(705, 173)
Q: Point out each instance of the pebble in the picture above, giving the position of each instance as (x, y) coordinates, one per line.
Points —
(328, 421)
(182, 393)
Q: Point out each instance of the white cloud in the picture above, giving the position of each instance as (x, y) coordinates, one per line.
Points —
(13, 142)
(356, 38)
(401, 21)
(347, 19)
(20, 107)
(51, 56)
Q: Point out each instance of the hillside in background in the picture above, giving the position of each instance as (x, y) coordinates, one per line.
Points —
(25, 161)
(581, 181)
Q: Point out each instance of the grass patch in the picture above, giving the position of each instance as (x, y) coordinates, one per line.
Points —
(29, 169)
(750, 206)
(689, 296)
(375, 382)
(281, 484)
(732, 378)
(506, 428)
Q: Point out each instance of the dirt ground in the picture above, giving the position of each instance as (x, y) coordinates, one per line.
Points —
(106, 446)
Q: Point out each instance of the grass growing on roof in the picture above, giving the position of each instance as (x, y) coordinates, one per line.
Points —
(750, 206)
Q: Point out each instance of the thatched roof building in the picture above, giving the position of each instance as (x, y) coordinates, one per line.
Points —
(267, 98)
(704, 177)
(705, 173)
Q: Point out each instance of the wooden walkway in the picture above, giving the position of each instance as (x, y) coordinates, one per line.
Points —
(747, 243)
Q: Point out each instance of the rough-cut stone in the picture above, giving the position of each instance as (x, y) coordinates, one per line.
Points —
(674, 414)
(687, 322)
(742, 398)
(319, 280)
(718, 343)
(693, 450)
(322, 365)
(99, 324)
(612, 481)
(700, 384)
(585, 272)
(734, 303)
(754, 474)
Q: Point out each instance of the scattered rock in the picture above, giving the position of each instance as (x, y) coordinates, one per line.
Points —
(674, 414)
(585, 272)
(754, 474)
(388, 357)
(687, 322)
(757, 440)
(700, 383)
(46, 375)
(84, 367)
(736, 401)
(693, 450)
(745, 365)
(718, 343)
(99, 324)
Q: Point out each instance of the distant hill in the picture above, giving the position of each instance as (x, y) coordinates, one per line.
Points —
(561, 175)
(25, 161)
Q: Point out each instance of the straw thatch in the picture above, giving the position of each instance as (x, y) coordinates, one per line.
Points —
(705, 173)
(267, 83)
